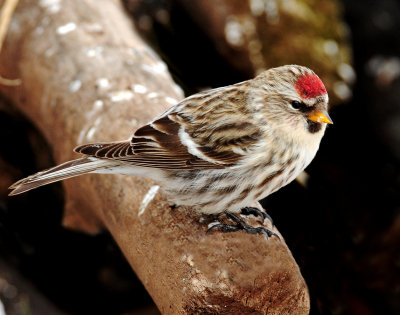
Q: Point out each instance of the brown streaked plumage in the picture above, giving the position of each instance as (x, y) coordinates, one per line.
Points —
(218, 150)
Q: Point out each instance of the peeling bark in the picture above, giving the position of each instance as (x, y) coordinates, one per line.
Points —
(87, 76)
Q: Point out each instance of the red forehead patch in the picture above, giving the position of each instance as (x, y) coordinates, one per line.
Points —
(310, 86)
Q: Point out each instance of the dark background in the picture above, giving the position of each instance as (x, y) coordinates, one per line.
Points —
(343, 228)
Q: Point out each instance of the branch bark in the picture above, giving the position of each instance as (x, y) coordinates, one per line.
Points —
(87, 76)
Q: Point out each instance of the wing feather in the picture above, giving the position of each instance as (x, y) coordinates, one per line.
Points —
(188, 138)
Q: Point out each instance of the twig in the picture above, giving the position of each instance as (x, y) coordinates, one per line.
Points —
(10, 82)
(5, 17)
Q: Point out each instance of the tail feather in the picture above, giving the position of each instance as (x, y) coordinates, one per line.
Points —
(63, 171)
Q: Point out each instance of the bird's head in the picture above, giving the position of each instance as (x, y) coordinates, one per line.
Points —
(294, 97)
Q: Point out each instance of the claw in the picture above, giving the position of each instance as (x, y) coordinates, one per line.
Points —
(256, 212)
(241, 225)
(224, 228)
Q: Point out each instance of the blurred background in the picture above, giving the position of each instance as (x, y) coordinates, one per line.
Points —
(343, 225)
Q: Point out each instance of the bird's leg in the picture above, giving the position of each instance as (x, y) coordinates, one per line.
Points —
(241, 225)
(257, 213)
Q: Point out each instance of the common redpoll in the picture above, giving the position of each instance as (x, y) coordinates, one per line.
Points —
(219, 150)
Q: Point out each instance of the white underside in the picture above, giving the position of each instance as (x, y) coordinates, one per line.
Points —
(184, 191)
(251, 172)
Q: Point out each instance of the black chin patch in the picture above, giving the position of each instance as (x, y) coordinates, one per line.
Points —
(314, 127)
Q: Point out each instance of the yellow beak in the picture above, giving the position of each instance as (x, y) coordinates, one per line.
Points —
(320, 117)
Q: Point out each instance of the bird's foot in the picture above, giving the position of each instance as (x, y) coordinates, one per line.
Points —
(257, 213)
(241, 225)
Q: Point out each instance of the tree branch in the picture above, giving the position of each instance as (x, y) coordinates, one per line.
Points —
(87, 76)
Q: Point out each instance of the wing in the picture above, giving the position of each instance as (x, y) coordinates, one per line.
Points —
(213, 136)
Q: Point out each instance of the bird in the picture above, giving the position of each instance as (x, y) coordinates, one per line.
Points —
(219, 150)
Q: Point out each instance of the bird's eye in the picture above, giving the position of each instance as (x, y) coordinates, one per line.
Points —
(296, 104)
